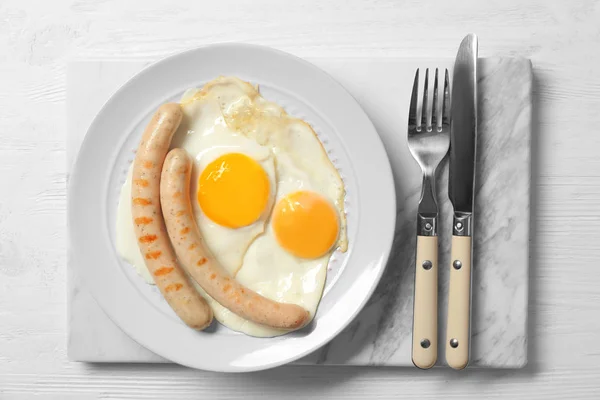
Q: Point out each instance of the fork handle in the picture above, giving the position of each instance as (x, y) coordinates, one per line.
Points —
(425, 343)
(459, 303)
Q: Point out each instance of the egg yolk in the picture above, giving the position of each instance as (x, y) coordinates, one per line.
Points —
(305, 224)
(233, 190)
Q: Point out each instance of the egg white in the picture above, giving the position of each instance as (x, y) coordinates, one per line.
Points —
(301, 164)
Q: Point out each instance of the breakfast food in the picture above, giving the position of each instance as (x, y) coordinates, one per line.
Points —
(266, 199)
(149, 226)
(200, 263)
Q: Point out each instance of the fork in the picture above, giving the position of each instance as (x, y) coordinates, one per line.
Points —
(428, 141)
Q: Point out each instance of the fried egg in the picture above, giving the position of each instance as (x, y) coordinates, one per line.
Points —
(267, 199)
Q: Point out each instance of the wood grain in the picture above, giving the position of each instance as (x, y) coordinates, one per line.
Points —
(562, 38)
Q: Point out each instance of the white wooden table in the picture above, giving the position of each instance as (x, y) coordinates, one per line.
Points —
(563, 40)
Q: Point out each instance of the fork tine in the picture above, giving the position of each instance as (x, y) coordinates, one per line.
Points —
(425, 110)
(434, 105)
(412, 112)
(446, 102)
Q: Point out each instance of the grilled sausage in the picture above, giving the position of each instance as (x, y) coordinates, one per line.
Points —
(149, 225)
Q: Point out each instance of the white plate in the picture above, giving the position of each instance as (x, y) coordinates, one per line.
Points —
(306, 92)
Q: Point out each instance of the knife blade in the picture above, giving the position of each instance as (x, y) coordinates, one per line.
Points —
(461, 181)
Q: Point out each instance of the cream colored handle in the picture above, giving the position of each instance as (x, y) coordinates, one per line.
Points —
(425, 343)
(459, 303)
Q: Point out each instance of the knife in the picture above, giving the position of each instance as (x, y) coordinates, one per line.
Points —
(463, 139)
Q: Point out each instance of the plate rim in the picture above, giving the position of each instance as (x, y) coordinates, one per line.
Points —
(375, 141)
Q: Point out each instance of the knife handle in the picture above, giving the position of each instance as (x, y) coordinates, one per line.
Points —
(425, 342)
(459, 304)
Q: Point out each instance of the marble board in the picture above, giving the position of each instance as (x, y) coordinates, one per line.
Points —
(381, 334)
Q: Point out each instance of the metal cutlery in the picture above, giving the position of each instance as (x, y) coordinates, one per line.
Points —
(463, 139)
(428, 141)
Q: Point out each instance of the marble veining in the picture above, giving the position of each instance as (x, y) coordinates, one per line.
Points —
(381, 334)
